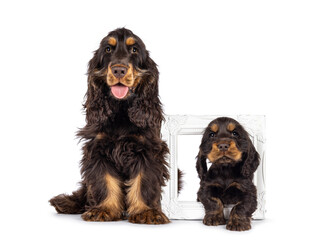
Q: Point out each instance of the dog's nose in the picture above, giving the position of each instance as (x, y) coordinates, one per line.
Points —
(119, 72)
(223, 147)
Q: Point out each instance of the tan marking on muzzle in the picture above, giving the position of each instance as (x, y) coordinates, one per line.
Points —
(131, 79)
(233, 152)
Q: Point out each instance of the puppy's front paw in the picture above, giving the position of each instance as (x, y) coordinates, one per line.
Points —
(238, 223)
(150, 216)
(214, 219)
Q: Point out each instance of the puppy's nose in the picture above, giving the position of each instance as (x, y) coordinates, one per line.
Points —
(119, 72)
(223, 147)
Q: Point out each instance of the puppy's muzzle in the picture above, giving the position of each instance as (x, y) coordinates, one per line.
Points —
(223, 147)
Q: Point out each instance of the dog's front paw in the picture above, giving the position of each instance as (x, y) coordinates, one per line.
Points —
(150, 216)
(99, 215)
(238, 223)
(214, 219)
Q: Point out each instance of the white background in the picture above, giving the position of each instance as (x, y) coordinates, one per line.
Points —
(215, 57)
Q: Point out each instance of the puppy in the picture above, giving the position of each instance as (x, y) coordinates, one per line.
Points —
(226, 144)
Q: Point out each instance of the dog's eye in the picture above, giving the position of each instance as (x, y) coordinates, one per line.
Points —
(212, 134)
(134, 50)
(108, 49)
(235, 134)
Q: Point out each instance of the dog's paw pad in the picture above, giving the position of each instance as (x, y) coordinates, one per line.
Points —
(238, 223)
(214, 219)
(98, 215)
(150, 216)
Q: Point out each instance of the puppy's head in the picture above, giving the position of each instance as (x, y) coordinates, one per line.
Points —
(226, 143)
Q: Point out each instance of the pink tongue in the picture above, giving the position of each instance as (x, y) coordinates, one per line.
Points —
(119, 91)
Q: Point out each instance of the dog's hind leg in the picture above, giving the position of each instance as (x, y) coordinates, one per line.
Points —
(70, 204)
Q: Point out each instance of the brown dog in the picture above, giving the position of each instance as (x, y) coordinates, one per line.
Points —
(123, 166)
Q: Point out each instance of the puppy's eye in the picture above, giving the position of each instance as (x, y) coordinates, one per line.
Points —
(235, 134)
(212, 134)
(134, 50)
(108, 49)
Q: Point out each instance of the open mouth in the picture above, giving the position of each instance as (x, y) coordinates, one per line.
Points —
(119, 90)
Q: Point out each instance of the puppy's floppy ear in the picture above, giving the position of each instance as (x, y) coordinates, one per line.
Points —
(251, 161)
(201, 165)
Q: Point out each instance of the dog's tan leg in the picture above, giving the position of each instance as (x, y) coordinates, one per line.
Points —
(139, 209)
(111, 208)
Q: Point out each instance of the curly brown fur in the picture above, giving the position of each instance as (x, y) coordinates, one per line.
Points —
(123, 166)
(229, 179)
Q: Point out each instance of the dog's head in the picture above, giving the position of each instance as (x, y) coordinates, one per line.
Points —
(121, 63)
(226, 143)
(123, 78)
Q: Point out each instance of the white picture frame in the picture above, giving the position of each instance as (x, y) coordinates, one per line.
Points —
(188, 129)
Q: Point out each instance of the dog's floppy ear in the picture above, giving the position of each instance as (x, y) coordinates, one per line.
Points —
(201, 165)
(96, 62)
(97, 108)
(251, 161)
(146, 108)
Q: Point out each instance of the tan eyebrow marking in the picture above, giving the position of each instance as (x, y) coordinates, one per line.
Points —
(214, 127)
(231, 127)
(112, 41)
(130, 41)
